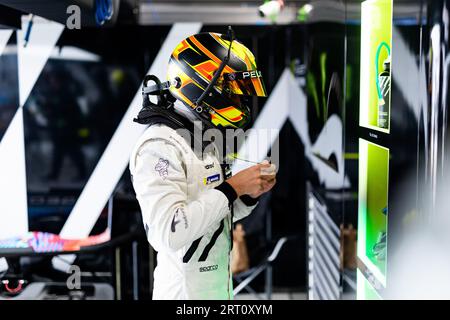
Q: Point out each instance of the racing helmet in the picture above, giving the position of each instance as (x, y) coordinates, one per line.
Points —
(211, 73)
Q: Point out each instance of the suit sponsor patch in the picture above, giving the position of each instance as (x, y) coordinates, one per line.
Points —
(162, 167)
(209, 166)
(211, 179)
(209, 268)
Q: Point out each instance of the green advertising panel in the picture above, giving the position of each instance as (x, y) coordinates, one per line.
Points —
(376, 44)
(373, 208)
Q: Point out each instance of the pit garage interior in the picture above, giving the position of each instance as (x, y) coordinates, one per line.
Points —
(356, 93)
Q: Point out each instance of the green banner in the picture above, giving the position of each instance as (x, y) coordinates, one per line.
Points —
(376, 44)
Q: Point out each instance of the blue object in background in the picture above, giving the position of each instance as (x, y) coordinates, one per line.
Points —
(104, 10)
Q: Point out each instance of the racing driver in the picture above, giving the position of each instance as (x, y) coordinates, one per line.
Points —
(189, 202)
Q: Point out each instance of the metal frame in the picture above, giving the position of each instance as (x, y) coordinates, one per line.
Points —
(245, 278)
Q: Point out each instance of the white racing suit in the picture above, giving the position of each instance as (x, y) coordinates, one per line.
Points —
(186, 212)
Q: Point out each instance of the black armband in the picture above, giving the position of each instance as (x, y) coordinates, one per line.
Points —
(228, 191)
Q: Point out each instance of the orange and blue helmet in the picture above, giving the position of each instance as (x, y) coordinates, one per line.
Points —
(212, 71)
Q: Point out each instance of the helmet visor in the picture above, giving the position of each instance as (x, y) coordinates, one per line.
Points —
(247, 83)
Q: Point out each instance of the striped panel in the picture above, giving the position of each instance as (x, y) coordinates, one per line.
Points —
(324, 276)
